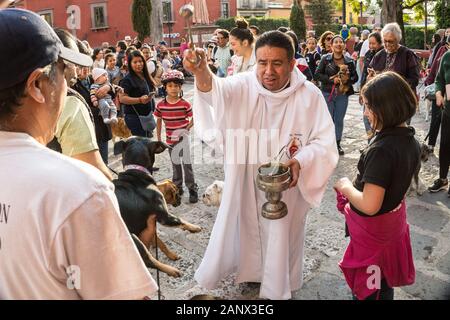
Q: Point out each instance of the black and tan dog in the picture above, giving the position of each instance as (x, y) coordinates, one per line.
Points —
(141, 202)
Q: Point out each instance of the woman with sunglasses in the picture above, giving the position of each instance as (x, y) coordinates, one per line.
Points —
(395, 57)
(325, 42)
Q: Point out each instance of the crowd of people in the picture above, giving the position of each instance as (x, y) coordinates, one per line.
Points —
(68, 97)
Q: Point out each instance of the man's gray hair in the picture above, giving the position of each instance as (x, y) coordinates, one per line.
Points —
(51, 71)
(393, 28)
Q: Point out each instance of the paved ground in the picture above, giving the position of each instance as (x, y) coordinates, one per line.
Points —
(428, 216)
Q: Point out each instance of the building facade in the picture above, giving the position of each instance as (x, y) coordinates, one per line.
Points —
(100, 21)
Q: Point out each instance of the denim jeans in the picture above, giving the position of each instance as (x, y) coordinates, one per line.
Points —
(435, 123)
(337, 106)
(103, 149)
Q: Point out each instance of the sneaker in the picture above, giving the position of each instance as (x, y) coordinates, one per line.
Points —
(340, 150)
(193, 195)
(438, 185)
(180, 190)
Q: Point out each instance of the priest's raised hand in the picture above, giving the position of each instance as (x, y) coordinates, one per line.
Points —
(195, 62)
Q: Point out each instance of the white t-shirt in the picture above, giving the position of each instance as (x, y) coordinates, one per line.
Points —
(61, 233)
(167, 66)
(364, 48)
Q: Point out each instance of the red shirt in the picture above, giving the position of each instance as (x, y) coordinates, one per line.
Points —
(175, 116)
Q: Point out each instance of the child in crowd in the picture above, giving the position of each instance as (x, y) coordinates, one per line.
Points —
(379, 255)
(108, 109)
(177, 116)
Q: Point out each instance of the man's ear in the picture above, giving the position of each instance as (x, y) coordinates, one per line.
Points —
(293, 64)
(119, 147)
(158, 147)
(34, 86)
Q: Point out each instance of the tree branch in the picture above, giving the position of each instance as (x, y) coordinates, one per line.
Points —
(413, 5)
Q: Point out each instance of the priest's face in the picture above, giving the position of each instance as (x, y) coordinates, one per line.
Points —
(273, 67)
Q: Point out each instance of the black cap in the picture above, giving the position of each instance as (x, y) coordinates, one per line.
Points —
(27, 43)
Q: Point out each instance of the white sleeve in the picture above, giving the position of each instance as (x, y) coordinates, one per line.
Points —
(209, 108)
(319, 157)
(364, 48)
(96, 241)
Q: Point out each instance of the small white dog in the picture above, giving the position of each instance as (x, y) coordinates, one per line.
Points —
(213, 194)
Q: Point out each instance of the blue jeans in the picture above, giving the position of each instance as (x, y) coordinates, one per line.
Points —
(337, 106)
(103, 149)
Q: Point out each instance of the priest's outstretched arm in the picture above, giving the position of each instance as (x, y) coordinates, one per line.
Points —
(196, 63)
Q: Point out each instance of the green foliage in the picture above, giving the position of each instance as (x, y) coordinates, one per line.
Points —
(414, 36)
(442, 13)
(262, 23)
(297, 21)
(140, 16)
(321, 11)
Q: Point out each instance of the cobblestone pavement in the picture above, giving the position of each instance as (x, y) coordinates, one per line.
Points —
(428, 216)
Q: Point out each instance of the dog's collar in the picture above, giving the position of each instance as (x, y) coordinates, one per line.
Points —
(136, 167)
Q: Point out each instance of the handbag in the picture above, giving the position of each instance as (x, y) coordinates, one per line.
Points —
(148, 122)
(430, 92)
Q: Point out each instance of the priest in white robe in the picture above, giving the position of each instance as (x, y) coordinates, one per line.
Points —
(274, 105)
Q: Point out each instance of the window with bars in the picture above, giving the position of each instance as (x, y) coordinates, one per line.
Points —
(167, 10)
(99, 16)
(47, 15)
(225, 9)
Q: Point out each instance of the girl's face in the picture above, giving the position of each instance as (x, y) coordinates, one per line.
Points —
(173, 89)
(311, 44)
(370, 115)
(111, 62)
(237, 45)
(137, 64)
(338, 45)
(146, 53)
(99, 55)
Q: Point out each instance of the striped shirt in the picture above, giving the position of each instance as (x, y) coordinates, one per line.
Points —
(175, 116)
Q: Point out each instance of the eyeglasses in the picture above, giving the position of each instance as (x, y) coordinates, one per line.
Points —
(329, 38)
(390, 41)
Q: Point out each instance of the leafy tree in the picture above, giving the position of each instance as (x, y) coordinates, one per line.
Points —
(141, 16)
(321, 12)
(297, 20)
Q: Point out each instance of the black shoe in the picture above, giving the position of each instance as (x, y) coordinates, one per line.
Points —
(438, 185)
(340, 150)
(180, 190)
(193, 195)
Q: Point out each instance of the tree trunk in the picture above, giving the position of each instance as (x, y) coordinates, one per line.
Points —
(392, 11)
(156, 23)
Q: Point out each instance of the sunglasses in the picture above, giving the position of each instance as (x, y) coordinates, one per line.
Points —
(328, 38)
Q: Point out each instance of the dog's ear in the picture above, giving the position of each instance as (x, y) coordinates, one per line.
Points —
(158, 147)
(119, 147)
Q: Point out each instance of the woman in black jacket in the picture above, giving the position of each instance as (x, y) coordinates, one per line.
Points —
(138, 96)
(327, 74)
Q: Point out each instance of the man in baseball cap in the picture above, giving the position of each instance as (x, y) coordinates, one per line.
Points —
(54, 204)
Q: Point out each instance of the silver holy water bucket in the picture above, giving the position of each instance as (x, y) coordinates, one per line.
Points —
(273, 179)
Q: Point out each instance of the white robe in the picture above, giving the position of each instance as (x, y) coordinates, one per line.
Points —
(242, 241)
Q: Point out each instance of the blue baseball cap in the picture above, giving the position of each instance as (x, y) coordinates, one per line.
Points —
(28, 43)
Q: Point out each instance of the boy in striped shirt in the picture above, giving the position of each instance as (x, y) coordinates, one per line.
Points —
(177, 116)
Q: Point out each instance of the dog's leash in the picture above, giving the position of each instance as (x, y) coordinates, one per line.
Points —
(113, 171)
